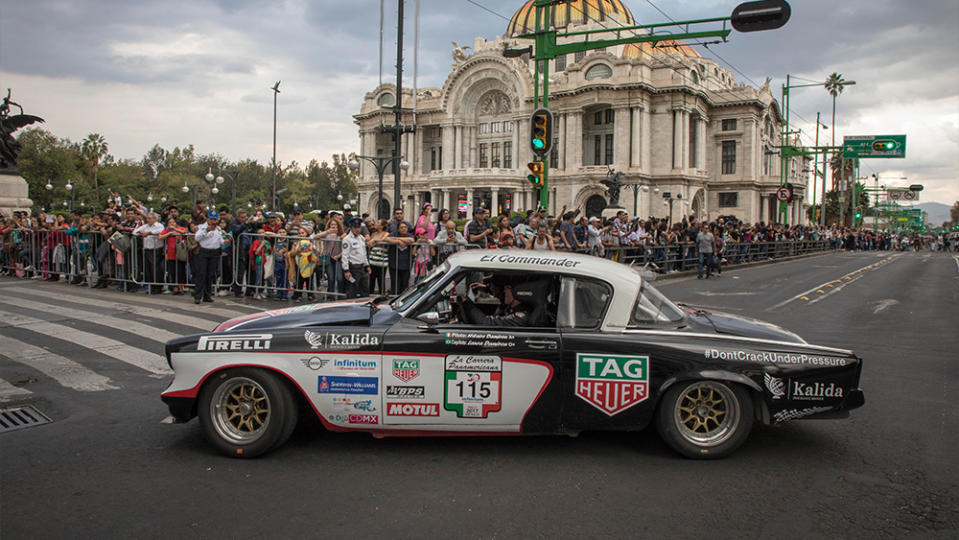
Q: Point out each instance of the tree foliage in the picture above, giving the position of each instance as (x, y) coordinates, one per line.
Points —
(164, 172)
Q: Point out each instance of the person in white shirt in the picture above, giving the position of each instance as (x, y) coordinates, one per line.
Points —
(356, 265)
(210, 238)
(150, 242)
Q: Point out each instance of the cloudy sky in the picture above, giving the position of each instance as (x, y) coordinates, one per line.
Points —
(178, 72)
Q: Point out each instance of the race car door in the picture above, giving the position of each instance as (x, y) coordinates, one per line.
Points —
(440, 373)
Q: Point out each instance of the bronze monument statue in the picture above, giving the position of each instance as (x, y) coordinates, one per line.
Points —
(9, 147)
(613, 183)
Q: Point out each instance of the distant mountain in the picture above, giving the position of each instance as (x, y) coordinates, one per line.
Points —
(938, 212)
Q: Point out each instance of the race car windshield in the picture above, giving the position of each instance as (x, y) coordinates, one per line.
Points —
(414, 293)
(653, 308)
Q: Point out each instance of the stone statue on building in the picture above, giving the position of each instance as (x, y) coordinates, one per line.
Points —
(13, 188)
(459, 53)
(613, 182)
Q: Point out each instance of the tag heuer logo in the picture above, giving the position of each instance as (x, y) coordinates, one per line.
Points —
(406, 370)
(612, 384)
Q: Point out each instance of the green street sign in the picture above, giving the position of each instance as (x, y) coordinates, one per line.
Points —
(874, 146)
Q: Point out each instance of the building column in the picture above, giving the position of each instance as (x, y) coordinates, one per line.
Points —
(448, 144)
(457, 147)
(621, 139)
(494, 201)
(514, 143)
(574, 141)
(563, 134)
(646, 140)
(469, 203)
(701, 142)
(679, 123)
(634, 138)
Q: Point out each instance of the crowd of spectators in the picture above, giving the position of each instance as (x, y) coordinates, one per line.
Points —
(261, 254)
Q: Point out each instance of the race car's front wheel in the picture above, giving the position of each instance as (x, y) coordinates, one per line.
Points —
(245, 412)
(705, 419)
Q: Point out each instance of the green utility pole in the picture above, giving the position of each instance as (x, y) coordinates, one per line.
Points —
(747, 17)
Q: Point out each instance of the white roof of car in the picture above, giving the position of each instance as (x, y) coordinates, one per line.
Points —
(624, 280)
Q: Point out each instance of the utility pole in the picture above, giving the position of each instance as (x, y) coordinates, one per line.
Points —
(276, 90)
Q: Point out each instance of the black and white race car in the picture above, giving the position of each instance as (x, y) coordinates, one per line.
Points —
(516, 342)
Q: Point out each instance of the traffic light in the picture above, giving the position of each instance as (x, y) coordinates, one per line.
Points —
(883, 145)
(541, 131)
(760, 15)
(538, 169)
(858, 215)
(818, 212)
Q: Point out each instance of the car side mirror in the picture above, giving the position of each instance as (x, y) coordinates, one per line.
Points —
(429, 317)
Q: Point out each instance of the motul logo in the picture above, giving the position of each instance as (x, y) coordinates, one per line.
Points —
(413, 409)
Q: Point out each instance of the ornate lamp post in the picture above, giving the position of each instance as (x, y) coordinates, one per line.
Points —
(381, 163)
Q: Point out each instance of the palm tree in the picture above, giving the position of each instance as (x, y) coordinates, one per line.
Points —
(94, 148)
(835, 84)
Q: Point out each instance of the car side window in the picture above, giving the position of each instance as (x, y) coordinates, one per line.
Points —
(652, 308)
(478, 298)
(582, 302)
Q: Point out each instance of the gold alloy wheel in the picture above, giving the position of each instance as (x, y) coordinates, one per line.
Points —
(707, 413)
(240, 410)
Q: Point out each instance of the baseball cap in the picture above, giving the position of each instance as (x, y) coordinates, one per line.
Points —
(213, 214)
(592, 219)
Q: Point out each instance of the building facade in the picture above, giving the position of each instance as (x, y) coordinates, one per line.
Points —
(672, 121)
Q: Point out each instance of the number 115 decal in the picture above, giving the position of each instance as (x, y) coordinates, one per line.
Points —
(473, 386)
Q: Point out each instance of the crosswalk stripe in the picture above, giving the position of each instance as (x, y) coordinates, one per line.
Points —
(143, 330)
(148, 361)
(185, 320)
(222, 309)
(9, 391)
(63, 370)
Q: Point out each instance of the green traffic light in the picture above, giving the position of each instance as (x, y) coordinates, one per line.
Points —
(538, 143)
(890, 145)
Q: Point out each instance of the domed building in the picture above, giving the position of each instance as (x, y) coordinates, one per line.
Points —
(670, 120)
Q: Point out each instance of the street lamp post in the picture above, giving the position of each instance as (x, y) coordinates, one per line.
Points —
(669, 197)
(69, 188)
(636, 189)
(381, 163)
(276, 90)
(234, 174)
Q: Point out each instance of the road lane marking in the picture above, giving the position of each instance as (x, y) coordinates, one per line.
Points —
(834, 291)
(145, 331)
(850, 277)
(805, 297)
(154, 363)
(9, 392)
(185, 320)
(830, 285)
(883, 305)
(63, 370)
(708, 293)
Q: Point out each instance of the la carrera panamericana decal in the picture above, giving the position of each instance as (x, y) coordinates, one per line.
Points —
(610, 383)
(406, 370)
(473, 386)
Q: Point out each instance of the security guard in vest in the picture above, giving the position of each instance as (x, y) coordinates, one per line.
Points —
(356, 265)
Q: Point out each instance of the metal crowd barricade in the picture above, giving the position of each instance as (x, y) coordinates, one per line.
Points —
(284, 279)
(158, 267)
(20, 252)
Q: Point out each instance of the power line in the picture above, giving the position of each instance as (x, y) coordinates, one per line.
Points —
(484, 8)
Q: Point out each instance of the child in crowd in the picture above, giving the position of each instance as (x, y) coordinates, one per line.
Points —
(422, 253)
(305, 264)
(279, 265)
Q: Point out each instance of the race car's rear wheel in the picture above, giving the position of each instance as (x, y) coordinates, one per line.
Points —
(705, 419)
(246, 412)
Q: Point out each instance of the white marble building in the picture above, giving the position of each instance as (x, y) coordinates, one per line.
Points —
(666, 117)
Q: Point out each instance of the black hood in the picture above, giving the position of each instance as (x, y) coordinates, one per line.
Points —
(737, 325)
(350, 313)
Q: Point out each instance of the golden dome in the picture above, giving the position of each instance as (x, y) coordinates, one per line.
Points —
(572, 12)
(636, 50)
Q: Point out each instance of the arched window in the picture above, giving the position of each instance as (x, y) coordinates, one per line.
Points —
(386, 100)
(693, 76)
(599, 71)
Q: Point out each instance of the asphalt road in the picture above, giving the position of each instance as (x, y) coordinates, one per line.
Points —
(106, 467)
